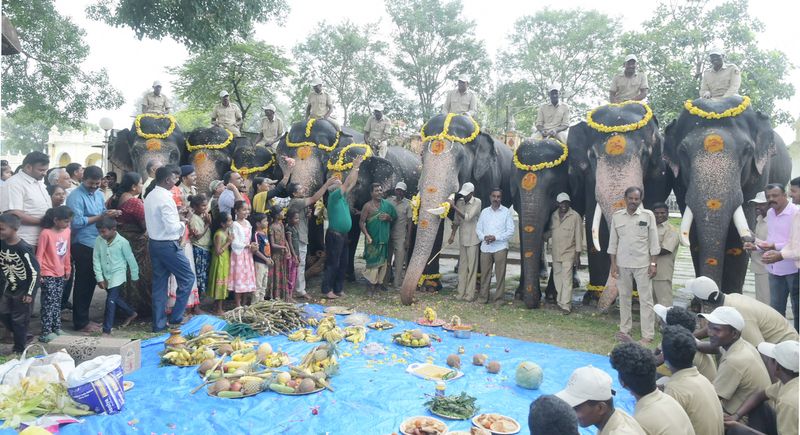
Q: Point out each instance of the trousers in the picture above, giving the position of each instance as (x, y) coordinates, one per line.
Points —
(662, 292)
(113, 301)
(85, 283)
(644, 286)
(337, 248)
(468, 259)
(562, 279)
(780, 289)
(167, 258)
(498, 259)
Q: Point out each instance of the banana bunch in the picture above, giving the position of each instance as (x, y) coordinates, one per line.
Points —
(312, 321)
(335, 335)
(182, 357)
(275, 359)
(246, 357)
(429, 314)
(328, 330)
(355, 334)
(239, 343)
(300, 334)
(325, 325)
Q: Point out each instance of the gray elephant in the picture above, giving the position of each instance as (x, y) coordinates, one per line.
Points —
(152, 137)
(540, 174)
(618, 146)
(455, 151)
(722, 153)
(209, 150)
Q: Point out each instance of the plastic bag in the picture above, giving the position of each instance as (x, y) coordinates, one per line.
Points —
(54, 367)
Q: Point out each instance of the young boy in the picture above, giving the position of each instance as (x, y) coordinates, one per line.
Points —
(111, 259)
(262, 256)
(20, 280)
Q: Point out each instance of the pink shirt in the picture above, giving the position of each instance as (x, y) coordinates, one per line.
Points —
(791, 251)
(53, 252)
(779, 228)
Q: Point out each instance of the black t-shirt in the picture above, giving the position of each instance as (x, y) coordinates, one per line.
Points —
(20, 269)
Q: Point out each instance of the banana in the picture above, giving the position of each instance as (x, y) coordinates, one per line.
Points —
(313, 338)
(429, 314)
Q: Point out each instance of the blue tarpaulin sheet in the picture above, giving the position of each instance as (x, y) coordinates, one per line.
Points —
(373, 394)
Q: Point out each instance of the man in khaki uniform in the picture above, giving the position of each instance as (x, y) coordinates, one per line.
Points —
(320, 104)
(461, 100)
(553, 118)
(677, 316)
(722, 79)
(376, 131)
(589, 393)
(760, 273)
(741, 371)
(401, 229)
(633, 243)
(272, 127)
(467, 210)
(227, 114)
(629, 84)
(668, 239)
(687, 386)
(155, 102)
(566, 230)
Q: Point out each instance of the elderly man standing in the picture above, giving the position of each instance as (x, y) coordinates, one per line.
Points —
(553, 118)
(757, 266)
(227, 114)
(632, 244)
(155, 102)
(566, 229)
(272, 127)
(495, 227)
(722, 79)
(59, 177)
(467, 210)
(629, 84)
(376, 132)
(668, 239)
(25, 195)
(401, 230)
(461, 100)
(319, 104)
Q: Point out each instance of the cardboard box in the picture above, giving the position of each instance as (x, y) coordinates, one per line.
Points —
(83, 348)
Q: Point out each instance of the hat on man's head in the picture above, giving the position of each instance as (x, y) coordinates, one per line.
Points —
(466, 189)
(401, 185)
(378, 107)
(463, 78)
(760, 198)
(725, 316)
(553, 87)
(156, 83)
(703, 287)
(631, 57)
(586, 383)
(187, 170)
(716, 51)
(269, 107)
(223, 94)
(213, 186)
(316, 81)
(661, 311)
(785, 353)
(562, 197)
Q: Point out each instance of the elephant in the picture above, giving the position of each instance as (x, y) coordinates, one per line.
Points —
(254, 161)
(209, 150)
(618, 146)
(152, 137)
(540, 174)
(720, 163)
(455, 151)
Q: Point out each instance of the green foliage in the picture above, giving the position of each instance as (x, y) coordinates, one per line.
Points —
(434, 45)
(197, 24)
(191, 119)
(23, 133)
(250, 71)
(45, 85)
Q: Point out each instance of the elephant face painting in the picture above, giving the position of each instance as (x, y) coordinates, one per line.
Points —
(209, 151)
(720, 163)
(152, 137)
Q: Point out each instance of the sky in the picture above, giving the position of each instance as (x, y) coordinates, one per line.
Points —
(494, 21)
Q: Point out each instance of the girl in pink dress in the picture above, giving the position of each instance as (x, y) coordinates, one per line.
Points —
(242, 277)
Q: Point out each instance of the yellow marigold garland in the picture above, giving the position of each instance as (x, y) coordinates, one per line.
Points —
(138, 123)
(429, 277)
(340, 165)
(445, 131)
(415, 208)
(247, 171)
(733, 111)
(327, 148)
(648, 115)
(309, 124)
(446, 206)
(217, 146)
(539, 166)
(595, 288)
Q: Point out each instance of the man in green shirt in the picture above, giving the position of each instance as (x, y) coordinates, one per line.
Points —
(111, 258)
(339, 224)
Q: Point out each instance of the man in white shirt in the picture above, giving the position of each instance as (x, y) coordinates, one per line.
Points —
(495, 227)
(25, 195)
(165, 228)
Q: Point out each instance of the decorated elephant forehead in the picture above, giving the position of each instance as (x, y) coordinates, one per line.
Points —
(154, 126)
(538, 155)
(213, 138)
(343, 159)
(619, 118)
(717, 108)
(302, 134)
(451, 127)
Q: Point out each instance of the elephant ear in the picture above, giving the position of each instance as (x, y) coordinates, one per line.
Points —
(485, 155)
(764, 142)
(671, 147)
(579, 142)
(656, 141)
(121, 153)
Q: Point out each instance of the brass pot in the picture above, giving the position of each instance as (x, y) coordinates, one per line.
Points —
(175, 339)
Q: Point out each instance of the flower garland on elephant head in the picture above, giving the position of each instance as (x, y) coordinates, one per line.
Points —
(543, 165)
(445, 134)
(340, 165)
(309, 124)
(247, 171)
(166, 134)
(213, 146)
(648, 115)
(733, 111)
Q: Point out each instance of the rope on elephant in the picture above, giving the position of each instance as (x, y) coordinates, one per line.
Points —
(339, 165)
(729, 113)
(648, 115)
(152, 120)
(212, 146)
(542, 165)
(433, 278)
(247, 171)
(445, 133)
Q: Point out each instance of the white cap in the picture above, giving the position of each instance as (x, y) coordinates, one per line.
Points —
(466, 189)
(463, 78)
(156, 83)
(586, 383)
(716, 50)
(553, 87)
(223, 94)
(631, 57)
(269, 107)
(378, 107)
(702, 287)
(661, 311)
(401, 185)
(270, 181)
(562, 197)
(725, 316)
(760, 198)
(316, 81)
(785, 353)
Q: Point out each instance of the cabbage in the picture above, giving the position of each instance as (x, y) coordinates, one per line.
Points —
(529, 375)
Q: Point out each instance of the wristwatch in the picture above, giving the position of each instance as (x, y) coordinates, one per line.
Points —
(652, 264)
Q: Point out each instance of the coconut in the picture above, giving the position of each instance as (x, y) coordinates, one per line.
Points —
(528, 375)
(221, 385)
(493, 367)
(225, 349)
(417, 334)
(454, 361)
(479, 359)
(206, 366)
(306, 386)
(265, 348)
(320, 355)
(206, 328)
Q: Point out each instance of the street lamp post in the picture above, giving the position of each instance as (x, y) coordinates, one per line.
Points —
(107, 124)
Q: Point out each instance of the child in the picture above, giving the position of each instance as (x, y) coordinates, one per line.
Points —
(262, 256)
(53, 254)
(200, 235)
(293, 241)
(20, 280)
(242, 278)
(280, 253)
(220, 262)
(111, 259)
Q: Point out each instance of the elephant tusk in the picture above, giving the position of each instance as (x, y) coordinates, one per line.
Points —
(741, 223)
(436, 211)
(598, 214)
(686, 224)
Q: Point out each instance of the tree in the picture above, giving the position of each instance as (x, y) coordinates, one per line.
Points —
(23, 133)
(45, 84)
(434, 43)
(197, 24)
(674, 43)
(250, 71)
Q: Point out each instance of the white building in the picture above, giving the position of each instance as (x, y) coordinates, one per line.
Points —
(78, 146)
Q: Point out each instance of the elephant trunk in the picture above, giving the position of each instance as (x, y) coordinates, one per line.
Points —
(534, 210)
(436, 184)
(308, 171)
(615, 175)
(205, 167)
